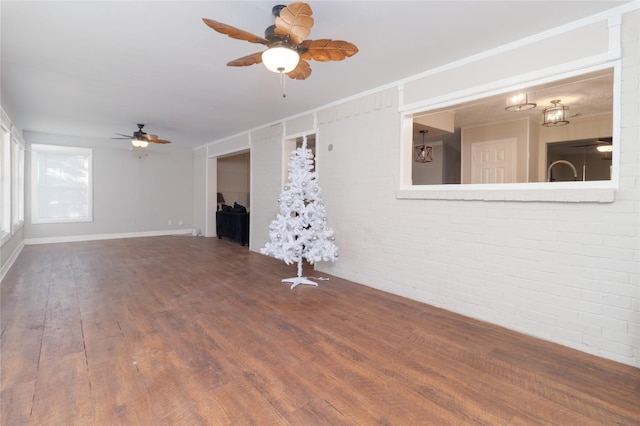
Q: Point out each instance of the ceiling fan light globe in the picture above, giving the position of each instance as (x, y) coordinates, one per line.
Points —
(280, 59)
(605, 148)
(138, 143)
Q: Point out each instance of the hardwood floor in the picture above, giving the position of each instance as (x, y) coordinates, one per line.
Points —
(184, 330)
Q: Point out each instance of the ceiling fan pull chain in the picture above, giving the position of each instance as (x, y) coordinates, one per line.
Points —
(283, 82)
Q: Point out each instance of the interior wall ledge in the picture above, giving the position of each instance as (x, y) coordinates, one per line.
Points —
(497, 193)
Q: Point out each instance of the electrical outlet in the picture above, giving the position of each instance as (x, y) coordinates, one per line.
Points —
(180, 223)
(169, 222)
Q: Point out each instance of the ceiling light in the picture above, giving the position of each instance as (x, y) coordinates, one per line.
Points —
(605, 148)
(423, 153)
(555, 114)
(280, 59)
(139, 143)
(519, 102)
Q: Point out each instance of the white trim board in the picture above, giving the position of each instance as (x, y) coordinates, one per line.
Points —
(76, 238)
(11, 261)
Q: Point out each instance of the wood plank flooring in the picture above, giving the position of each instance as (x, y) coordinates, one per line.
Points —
(183, 330)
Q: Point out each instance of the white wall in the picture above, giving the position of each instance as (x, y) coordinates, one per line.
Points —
(200, 190)
(563, 271)
(132, 196)
(266, 182)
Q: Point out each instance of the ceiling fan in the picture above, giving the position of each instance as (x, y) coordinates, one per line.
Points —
(141, 139)
(601, 142)
(287, 50)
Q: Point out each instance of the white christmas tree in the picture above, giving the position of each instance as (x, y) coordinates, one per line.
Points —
(300, 230)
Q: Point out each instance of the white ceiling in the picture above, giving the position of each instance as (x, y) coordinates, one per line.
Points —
(89, 68)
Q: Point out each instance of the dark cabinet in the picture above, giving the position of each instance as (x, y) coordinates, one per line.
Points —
(233, 225)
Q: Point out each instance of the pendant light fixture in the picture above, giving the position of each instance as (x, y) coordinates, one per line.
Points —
(519, 102)
(423, 153)
(555, 114)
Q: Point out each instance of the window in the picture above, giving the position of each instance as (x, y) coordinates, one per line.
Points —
(61, 184)
(17, 193)
(5, 180)
(480, 141)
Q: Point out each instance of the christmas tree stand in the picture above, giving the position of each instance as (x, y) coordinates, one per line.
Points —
(299, 279)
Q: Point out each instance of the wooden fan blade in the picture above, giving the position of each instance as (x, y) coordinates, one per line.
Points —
(154, 139)
(234, 32)
(324, 50)
(124, 136)
(295, 20)
(301, 72)
(254, 58)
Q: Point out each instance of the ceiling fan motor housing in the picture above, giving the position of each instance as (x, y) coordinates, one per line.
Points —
(276, 9)
(138, 134)
(270, 34)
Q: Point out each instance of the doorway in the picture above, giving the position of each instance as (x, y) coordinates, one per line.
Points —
(233, 179)
(591, 158)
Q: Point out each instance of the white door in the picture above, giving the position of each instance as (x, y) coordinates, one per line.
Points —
(494, 161)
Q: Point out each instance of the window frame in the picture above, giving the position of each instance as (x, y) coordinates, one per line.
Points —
(5, 183)
(17, 184)
(87, 153)
(579, 191)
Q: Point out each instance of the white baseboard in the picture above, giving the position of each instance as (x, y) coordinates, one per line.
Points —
(76, 238)
(7, 265)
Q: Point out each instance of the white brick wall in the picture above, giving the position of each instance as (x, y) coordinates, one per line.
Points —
(266, 182)
(563, 271)
(566, 272)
